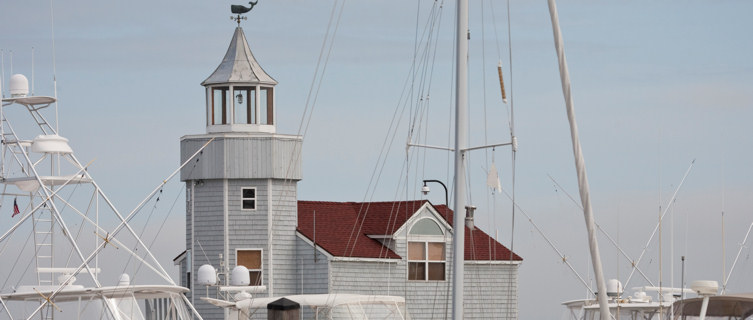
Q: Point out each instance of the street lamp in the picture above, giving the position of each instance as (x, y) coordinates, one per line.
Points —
(425, 190)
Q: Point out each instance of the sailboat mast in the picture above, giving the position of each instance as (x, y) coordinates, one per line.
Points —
(461, 118)
(580, 166)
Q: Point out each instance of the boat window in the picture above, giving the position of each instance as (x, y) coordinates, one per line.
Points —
(251, 259)
(248, 198)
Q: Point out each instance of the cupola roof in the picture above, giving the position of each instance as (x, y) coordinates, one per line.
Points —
(239, 65)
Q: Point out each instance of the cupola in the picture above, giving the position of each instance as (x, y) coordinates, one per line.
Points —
(240, 95)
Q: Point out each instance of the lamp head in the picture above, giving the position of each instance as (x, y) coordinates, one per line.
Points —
(425, 189)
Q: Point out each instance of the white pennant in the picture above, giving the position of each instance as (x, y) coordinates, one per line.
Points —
(492, 179)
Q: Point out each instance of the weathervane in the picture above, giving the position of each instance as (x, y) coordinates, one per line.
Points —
(239, 9)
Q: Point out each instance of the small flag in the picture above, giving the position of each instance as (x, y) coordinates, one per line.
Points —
(492, 179)
(15, 208)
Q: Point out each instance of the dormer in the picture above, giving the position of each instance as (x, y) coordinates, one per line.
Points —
(240, 95)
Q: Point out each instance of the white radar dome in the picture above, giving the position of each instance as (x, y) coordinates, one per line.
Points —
(125, 280)
(614, 288)
(19, 86)
(207, 275)
(240, 276)
(705, 287)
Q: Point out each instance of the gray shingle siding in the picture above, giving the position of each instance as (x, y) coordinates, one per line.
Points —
(313, 269)
(241, 156)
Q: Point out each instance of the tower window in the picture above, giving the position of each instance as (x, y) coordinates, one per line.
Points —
(219, 105)
(244, 99)
(266, 106)
(248, 199)
(251, 259)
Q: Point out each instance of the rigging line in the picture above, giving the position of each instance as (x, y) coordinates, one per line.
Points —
(162, 226)
(315, 82)
(397, 117)
(414, 70)
(203, 252)
(603, 232)
(15, 263)
(674, 195)
(324, 67)
(742, 245)
(316, 70)
(424, 64)
(81, 226)
(143, 229)
(561, 255)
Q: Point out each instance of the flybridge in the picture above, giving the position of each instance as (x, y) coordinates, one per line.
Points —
(72, 224)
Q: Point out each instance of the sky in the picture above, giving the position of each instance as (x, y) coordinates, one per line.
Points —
(656, 85)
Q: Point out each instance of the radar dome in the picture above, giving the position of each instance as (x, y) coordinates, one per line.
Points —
(124, 280)
(240, 276)
(705, 287)
(614, 288)
(207, 275)
(19, 86)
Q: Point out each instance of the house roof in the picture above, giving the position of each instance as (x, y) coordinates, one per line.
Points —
(343, 229)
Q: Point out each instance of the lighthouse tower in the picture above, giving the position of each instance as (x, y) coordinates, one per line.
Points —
(241, 189)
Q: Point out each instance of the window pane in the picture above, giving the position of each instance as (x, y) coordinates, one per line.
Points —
(218, 105)
(436, 271)
(436, 251)
(250, 259)
(265, 106)
(249, 204)
(255, 277)
(249, 193)
(240, 101)
(416, 251)
(426, 227)
(251, 106)
(416, 271)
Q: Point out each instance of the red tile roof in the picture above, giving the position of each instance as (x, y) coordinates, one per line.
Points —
(343, 229)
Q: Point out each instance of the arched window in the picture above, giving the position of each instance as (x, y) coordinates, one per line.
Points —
(426, 251)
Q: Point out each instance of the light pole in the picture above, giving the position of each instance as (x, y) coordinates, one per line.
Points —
(425, 190)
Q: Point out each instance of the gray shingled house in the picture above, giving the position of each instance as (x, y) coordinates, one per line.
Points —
(242, 209)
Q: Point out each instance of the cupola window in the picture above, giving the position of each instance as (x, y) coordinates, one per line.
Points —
(265, 104)
(244, 99)
(219, 101)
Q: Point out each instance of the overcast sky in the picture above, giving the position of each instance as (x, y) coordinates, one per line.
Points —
(655, 85)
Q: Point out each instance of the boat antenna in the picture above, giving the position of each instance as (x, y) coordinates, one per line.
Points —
(2, 71)
(739, 251)
(32, 71)
(54, 67)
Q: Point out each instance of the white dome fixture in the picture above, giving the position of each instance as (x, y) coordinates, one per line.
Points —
(51, 144)
(614, 288)
(19, 86)
(240, 277)
(124, 281)
(705, 287)
(207, 275)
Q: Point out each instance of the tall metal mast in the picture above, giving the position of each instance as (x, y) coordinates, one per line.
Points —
(461, 116)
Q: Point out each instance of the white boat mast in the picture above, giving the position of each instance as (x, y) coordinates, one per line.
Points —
(461, 116)
(580, 167)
